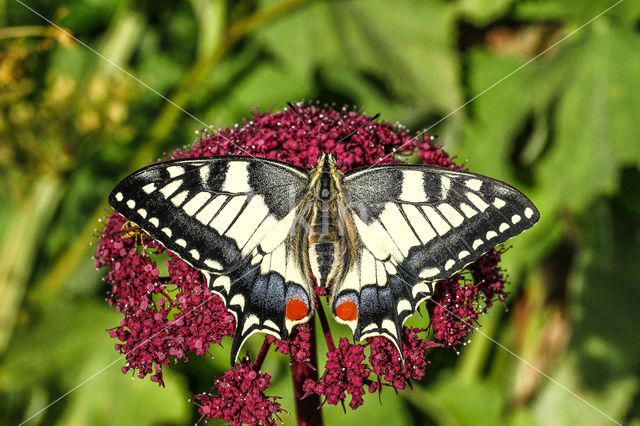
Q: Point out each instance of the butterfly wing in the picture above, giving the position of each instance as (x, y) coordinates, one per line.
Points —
(416, 225)
(232, 218)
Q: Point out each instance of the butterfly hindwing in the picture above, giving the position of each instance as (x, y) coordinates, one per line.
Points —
(231, 218)
(416, 225)
(382, 295)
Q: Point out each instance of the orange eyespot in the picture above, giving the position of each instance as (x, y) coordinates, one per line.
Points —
(347, 310)
(296, 309)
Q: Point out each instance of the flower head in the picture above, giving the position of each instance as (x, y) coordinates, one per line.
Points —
(345, 373)
(170, 318)
(240, 398)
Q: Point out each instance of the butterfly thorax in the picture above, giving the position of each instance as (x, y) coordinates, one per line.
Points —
(326, 239)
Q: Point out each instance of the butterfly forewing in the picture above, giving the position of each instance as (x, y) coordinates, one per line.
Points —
(434, 221)
(231, 218)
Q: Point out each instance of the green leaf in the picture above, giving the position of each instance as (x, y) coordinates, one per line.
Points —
(482, 12)
(453, 401)
(578, 12)
(606, 288)
(593, 120)
(374, 54)
(66, 344)
(496, 115)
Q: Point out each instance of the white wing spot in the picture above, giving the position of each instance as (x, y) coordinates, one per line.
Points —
(419, 288)
(391, 269)
(207, 213)
(498, 203)
(474, 184)
(515, 218)
(175, 171)
(419, 223)
(451, 214)
(181, 242)
(224, 282)
(413, 186)
(154, 221)
(381, 275)
(368, 269)
(449, 264)
(131, 204)
(390, 327)
(213, 264)
(463, 254)
(149, 188)
(398, 228)
(491, 234)
(445, 185)
(436, 220)
(249, 322)
(237, 300)
(228, 213)
(179, 199)
(196, 203)
(503, 227)
(528, 213)
(237, 177)
(429, 272)
(404, 304)
(195, 254)
(467, 210)
(142, 213)
(119, 196)
(170, 188)
(167, 232)
(477, 243)
(245, 226)
(477, 201)
(204, 174)
(270, 324)
(369, 328)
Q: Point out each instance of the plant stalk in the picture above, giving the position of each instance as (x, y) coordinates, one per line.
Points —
(307, 407)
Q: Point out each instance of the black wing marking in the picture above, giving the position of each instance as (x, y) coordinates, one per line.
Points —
(422, 224)
(220, 215)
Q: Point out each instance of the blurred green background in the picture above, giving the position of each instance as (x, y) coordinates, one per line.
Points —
(564, 129)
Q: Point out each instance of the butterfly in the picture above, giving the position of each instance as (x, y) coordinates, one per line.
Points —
(262, 232)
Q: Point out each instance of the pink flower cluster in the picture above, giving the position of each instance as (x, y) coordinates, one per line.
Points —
(455, 308)
(240, 397)
(157, 325)
(345, 373)
(297, 346)
(169, 318)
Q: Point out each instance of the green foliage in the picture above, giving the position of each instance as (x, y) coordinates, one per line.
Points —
(563, 128)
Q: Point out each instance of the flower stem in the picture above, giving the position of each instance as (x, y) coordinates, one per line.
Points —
(326, 329)
(307, 407)
(261, 355)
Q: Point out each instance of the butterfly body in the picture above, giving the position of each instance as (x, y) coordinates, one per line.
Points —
(328, 239)
(377, 238)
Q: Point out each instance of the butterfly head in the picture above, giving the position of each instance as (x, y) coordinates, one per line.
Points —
(325, 177)
(325, 160)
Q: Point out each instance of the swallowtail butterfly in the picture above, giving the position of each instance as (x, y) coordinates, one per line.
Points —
(376, 238)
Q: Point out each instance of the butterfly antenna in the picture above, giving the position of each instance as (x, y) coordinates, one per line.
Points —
(304, 123)
(356, 130)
